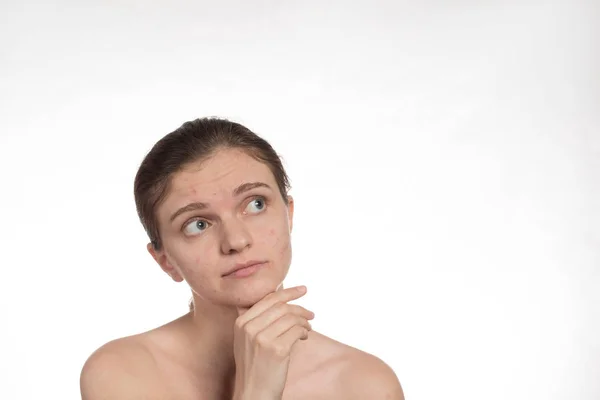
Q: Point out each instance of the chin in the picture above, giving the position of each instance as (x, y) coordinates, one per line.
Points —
(254, 289)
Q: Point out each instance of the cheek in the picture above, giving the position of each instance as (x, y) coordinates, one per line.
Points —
(197, 270)
(282, 243)
(191, 264)
(277, 239)
(285, 249)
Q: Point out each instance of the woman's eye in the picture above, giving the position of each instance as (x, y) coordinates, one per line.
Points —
(199, 225)
(258, 204)
(196, 226)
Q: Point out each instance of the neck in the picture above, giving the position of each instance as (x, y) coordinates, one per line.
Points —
(209, 334)
(212, 327)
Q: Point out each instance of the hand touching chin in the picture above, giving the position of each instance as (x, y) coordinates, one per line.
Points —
(252, 294)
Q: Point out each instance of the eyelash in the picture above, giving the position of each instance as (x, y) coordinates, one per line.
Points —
(253, 198)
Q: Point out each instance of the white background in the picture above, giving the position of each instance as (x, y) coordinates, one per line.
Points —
(444, 157)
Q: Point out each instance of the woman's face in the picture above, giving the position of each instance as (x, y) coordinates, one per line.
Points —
(242, 218)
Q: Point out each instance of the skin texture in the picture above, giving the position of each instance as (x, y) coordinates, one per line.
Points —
(195, 356)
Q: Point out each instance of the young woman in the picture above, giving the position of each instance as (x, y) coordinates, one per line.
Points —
(213, 199)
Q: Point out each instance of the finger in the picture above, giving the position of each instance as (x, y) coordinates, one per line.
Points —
(280, 296)
(281, 326)
(286, 341)
(242, 310)
(275, 313)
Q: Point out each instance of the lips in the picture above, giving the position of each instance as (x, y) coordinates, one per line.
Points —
(241, 266)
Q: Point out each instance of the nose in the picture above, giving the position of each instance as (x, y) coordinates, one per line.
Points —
(235, 237)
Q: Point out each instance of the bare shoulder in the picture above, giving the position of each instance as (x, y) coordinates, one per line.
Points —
(368, 377)
(120, 369)
(355, 374)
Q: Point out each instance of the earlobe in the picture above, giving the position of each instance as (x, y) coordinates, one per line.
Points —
(161, 258)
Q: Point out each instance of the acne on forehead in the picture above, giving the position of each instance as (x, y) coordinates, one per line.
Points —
(221, 172)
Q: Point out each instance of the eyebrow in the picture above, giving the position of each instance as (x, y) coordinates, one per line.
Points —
(244, 187)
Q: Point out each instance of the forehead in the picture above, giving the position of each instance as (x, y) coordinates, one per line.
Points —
(216, 176)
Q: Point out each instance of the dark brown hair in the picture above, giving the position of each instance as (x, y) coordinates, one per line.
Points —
(195, 141)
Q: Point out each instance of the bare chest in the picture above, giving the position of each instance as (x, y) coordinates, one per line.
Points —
(320, 383)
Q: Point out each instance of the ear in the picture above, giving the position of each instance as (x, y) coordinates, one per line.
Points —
(161, 258)
(291, 212)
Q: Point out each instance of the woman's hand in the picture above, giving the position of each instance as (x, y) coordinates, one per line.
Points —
(263, 338)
